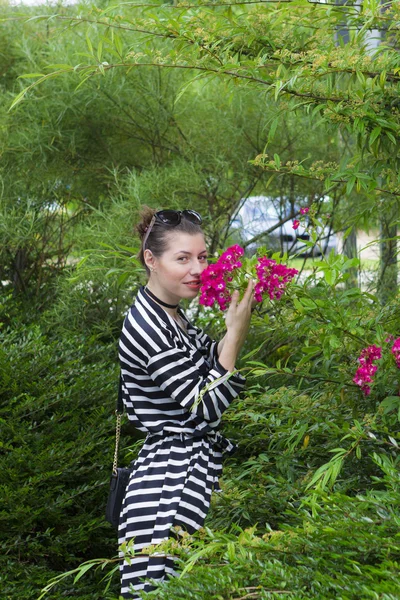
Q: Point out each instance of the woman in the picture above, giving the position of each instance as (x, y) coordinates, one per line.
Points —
(177, 382)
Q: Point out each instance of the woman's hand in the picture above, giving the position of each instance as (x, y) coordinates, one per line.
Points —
(238, 315)
(237, 321)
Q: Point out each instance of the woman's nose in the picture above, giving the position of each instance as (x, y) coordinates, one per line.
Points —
(197, 267)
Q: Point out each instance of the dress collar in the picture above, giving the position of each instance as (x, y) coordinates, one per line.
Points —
(145, 299)
(163, 315)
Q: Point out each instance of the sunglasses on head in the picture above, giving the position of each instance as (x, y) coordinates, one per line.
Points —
(172, 217)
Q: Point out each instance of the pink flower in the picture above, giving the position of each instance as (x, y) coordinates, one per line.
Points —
(396, 346)
(304, 211)
(369, 354)
(272, 277)
(396, 352)
(215, 277)
(365, 373)
(295, 224)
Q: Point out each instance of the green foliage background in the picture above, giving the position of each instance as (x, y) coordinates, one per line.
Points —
(198, 107)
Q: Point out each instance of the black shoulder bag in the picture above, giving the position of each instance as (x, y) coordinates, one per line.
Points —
(120, 475)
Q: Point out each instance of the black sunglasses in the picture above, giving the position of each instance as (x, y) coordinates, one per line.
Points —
(172, 217)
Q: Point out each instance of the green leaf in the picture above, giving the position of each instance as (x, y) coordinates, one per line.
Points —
(82, 261)
(347, 233)
(308, 303)
(272, 129)
(318, 474)
(252, 353)
(335, 342)
(59, 66)
(89, 44)
(37, 18)
(18, 98)
(257, 363)
(350, 184)
(375, 133)
(298, 305)
(84, 80)
(31, 75)
(129, 249)
(122, 278)
(100, 51)
(391, 137)
(390, 403)
(82, 570)
(259, 372)
(278, 86)
(231, 552)
(350, 263)
(118, 44)
(21, 95)
(311, 349)
(330, 276)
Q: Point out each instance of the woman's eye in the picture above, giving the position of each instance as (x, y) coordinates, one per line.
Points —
(202, 258)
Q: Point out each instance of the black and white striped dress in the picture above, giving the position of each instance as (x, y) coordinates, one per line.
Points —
(175, 390)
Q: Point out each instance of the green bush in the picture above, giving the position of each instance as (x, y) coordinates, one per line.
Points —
(57, 440)
(349, 551)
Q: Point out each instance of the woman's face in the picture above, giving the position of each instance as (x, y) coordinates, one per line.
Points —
(177, 272)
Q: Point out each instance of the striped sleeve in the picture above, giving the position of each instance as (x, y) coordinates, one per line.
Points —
(208, 396)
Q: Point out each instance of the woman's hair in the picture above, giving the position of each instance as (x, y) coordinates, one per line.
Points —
(159, 236)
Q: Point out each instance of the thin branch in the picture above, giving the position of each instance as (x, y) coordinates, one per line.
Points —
(217, 72)
(310, 376)
(338, 181)
(268, 231)
(183, 5)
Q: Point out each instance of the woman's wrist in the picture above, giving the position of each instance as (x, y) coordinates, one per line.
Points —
(230, 350)
(232, 338)
(221, 344)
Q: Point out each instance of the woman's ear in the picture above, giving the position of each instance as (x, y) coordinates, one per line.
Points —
(149, 259)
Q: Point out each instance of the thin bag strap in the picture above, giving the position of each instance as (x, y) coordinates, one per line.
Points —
(120, 404)
(119, 412)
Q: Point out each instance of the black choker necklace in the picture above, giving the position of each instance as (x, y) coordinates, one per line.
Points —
(158, 299)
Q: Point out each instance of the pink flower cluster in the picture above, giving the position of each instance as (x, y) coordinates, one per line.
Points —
(272, 278)
(215, 277)
(396, 351)
(365, 373)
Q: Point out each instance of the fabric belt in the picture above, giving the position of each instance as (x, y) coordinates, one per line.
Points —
(220, 442)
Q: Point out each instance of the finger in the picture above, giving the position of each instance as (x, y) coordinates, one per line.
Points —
(234, 300)
(249, 291)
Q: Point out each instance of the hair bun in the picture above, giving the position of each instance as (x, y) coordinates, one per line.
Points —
(146, 214)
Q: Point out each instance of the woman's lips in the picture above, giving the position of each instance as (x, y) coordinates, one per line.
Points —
(193, 284)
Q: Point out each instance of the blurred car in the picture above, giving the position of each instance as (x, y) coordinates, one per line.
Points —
(259, 214)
